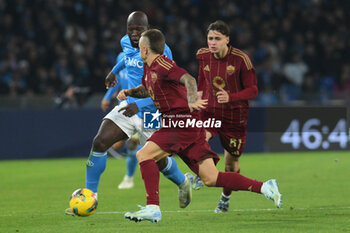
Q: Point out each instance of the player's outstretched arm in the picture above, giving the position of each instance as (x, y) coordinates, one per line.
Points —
(191, 87)
(137, 92)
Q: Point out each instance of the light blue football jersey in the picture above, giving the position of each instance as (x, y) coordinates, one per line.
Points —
(122, 76)
(134, 67)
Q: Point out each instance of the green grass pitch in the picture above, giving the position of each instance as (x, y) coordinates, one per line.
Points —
(315, 188)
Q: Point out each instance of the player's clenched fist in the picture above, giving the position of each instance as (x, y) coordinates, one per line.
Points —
(122, 95)
(111, 80)
(222, 96)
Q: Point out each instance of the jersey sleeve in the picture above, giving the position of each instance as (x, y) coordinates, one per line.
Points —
(120, 57)
(142, 103)
(201, 78)
(118, 67)
(249, 82)
(109, 94)
(175, 73)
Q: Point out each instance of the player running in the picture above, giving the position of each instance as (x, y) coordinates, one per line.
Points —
(227, 79)
(126, 119)
(174, 92)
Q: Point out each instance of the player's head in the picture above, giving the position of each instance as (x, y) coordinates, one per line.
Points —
(218, 36)
(151, 42)
(136, 24)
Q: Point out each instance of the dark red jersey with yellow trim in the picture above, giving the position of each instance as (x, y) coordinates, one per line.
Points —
(234, 73)
(162, 80)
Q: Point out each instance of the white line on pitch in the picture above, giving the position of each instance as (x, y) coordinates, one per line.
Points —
(233, 210)
(198, 211)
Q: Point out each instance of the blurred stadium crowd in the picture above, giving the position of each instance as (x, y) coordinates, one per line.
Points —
(301, 48)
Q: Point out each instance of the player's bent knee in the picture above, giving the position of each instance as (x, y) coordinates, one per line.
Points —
(139, 155)
(209, 181)
(162, 163)
(99, 145)
(133, 143)
(142, 156)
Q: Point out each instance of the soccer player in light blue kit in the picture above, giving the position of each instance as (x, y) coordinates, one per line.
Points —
(126, 119)
(130, 147)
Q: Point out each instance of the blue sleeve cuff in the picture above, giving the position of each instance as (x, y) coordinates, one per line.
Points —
(141, 103)
(110, 92)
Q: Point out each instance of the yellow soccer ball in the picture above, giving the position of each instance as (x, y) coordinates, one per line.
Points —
(83, 202)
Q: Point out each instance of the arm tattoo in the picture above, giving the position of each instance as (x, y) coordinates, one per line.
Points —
(191, 86)
(138, 92)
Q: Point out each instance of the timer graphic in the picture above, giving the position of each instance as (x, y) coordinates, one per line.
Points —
(314, 135)
(325, 144)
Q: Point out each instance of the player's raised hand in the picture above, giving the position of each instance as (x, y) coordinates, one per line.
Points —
(111, 80)
(222, 96)
(122, 94)
(199, 104)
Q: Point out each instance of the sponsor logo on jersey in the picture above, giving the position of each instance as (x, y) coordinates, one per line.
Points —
(219, 82)
(133, 62)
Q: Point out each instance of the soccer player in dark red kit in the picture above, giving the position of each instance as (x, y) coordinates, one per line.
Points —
(174, 93)
(227, 79)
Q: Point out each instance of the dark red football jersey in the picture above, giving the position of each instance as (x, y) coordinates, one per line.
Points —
(162, 80)
(234, 73)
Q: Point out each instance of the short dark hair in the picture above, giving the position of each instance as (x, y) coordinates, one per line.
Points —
(156, 40)
(219, 26)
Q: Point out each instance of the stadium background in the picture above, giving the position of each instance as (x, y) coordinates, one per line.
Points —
(54, 56)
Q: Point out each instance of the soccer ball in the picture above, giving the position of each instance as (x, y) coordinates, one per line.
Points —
(83, 202)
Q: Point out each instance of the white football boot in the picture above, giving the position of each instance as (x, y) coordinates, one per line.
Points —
(270, 190)
(148, 213)
(127, 183)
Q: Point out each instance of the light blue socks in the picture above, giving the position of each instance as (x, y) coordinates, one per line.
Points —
(173, 173)
(95, 166)
(131, 161)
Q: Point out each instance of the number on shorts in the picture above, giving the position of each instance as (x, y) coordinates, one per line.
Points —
(236, 143)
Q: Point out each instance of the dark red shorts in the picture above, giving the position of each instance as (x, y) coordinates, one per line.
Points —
(188, 143)
(232, 136)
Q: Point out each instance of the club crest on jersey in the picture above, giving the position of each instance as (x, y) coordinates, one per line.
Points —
(154, 77)
(230, 70)
(206, 68)
(219, 82)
